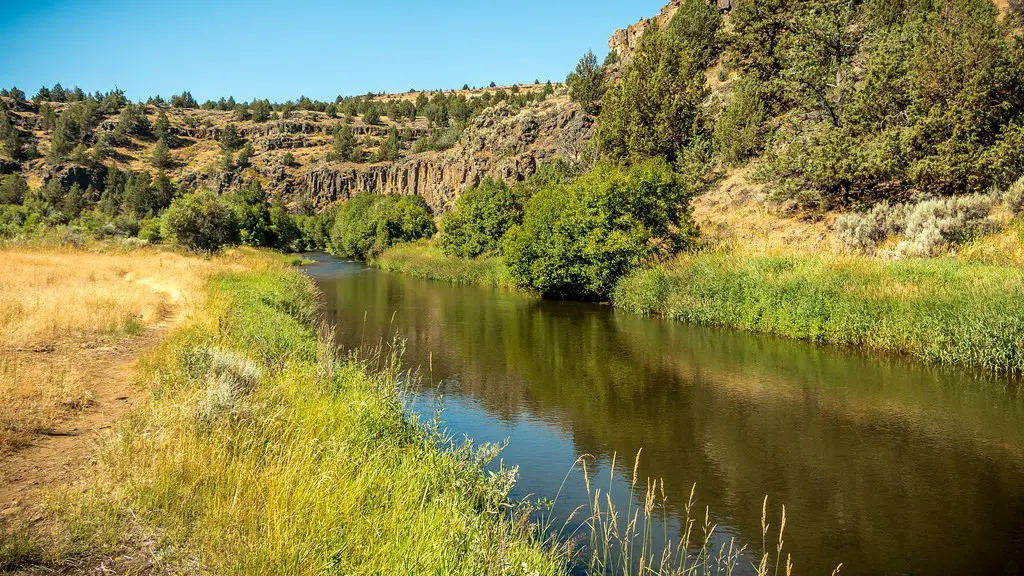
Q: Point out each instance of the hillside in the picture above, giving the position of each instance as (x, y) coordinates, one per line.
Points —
(291, 157)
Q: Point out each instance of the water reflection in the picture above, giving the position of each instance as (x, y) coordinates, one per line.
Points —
(888, 466)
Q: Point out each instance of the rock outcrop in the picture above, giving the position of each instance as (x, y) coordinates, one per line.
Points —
(503, 143)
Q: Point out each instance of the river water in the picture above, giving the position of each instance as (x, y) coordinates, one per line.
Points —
(884, 464)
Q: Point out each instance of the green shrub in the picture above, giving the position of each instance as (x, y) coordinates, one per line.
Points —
(368, 224)
(577, 240)
(656, 109)
(200, 221)
(479, 220)
(149, 230)
(13, 189)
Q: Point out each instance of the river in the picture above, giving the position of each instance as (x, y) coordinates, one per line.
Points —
(884, 464)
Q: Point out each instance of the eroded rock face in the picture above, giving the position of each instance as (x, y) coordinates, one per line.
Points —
(502, 143)
(84, 176)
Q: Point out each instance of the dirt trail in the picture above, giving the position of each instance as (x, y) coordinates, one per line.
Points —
(65, 454)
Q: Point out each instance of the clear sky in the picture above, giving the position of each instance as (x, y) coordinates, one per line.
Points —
(316, 48)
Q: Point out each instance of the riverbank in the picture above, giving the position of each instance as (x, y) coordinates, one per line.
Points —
(942, 310)
(263, 451)
(427, 261)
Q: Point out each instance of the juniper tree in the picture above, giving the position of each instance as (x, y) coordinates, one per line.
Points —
(586, 83)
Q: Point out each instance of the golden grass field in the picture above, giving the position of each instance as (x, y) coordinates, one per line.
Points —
(66, 313)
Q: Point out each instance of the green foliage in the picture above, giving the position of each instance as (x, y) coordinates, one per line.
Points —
(252, 215)
(260, 110)
(346, 148)
(697, 27)
(739, 131)
(245, 155)
(939, 310)
(162, 126)
(577, 240)
(11, 138)
(102, 149)
(288, 159)
(586, 83)
(423, 260)
(13, 189)
(132, 121)
(161, 156)
(656, 110)
(371, 115)
(391, 148)
(885, 99)
(200, 221)
(368, 224)
(230, 139)
(479, 220)
(184, 100)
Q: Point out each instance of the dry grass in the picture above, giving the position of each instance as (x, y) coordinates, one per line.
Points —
(734, 215)
(49, 295)
(62, 310)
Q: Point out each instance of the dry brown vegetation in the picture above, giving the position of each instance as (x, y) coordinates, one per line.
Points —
(64, 313)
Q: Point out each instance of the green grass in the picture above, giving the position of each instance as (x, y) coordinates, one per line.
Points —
(424, 260)
(939, 310)
(264, 452)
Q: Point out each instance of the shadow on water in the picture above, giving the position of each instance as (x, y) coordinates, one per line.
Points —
(886, 465)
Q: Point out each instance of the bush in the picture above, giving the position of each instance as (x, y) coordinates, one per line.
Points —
(1014, 196)
(927, 227)
(479, 220)
(576, 241)
(13, 189)
(149, 230)
(368, 224)
(200, 221)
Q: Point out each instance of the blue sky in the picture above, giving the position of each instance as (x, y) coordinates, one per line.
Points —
(281, 50)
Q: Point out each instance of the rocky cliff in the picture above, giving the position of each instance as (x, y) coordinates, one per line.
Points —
(502, 143)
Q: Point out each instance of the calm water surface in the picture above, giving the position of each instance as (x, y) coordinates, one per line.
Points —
(886, 465)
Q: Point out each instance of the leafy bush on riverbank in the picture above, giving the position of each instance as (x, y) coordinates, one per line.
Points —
(939, 310)
(368, 224)
(577, 240)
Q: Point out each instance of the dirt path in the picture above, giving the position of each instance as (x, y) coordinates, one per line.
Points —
(64, 454)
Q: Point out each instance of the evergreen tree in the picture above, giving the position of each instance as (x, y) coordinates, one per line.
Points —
(371, 115)
(162, 127)
(345, 146)
(655, 111)
(586, 84)
(260, 111)
(102, 149)
(245, 155)
(161, 157)
(391, 149)
(229, 138)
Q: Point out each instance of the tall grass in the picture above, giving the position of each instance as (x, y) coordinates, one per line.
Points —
(424, 260)
(939, 310)
(265, 452)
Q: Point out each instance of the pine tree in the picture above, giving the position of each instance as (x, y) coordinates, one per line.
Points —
(229, 138)
(162, 127)
(586, 84)
(161, 157)
(244, 155)
(344, 143)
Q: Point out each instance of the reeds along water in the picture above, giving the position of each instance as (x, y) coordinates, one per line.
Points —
(643, 539)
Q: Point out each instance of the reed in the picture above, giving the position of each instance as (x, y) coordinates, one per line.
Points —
(939, 310)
